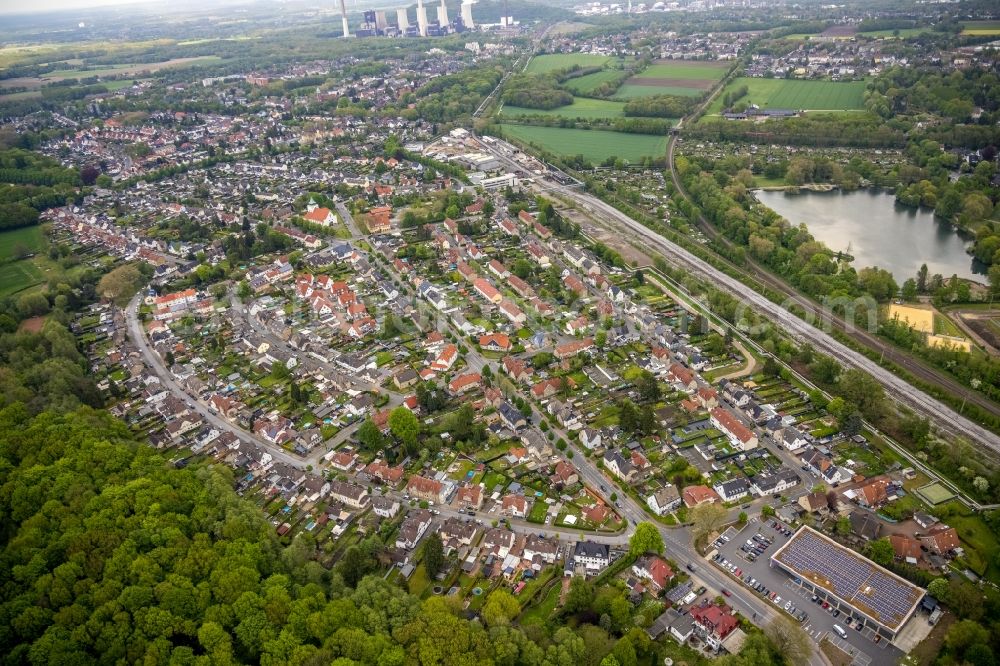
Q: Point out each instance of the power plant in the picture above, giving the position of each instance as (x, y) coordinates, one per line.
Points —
(376, 22)
(343, 18)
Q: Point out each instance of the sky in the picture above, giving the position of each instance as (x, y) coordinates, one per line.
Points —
(33, 6)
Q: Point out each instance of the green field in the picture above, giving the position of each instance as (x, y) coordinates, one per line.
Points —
(16, 276)
(796, 94)
(582, 107)
(904, 33)
(981, 28)
(587, 82)
(631, 91)
(30, 237)
(594, 145)
(708, 71)
(554, 61)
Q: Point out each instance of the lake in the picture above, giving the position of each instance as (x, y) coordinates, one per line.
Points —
(876, 231)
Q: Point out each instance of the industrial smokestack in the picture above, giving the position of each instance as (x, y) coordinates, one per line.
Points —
(443, 15)
(343, 18)
(467, 21)
(402, 19)
(421, 18)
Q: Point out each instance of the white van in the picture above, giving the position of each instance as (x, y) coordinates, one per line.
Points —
(840, 631)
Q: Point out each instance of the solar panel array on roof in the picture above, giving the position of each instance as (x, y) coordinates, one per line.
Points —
(858, 581)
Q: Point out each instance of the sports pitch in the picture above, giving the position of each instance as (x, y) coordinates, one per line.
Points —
(935, 493)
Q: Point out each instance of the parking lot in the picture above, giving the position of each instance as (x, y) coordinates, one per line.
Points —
(748, 565)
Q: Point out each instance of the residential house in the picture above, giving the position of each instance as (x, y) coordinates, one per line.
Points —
(455, 532)
(515, 506)
(511, 417)
(733, 489)
(430, 490)
(540, 550)
(664, 500)
(615, 463)
(383, 473)
(773, 483)
(564, 475)
(463, 383)
(496, 342)
(713, 623)
(591, 557)
(654, 569)
(348, 493)
(412, 528)
(941, 539)
(873, 493)
(865, 525)
(590, 438)
(820, 465)
(906, 548)
(385, 507)
(469, 497)
(695, 495)
(740, 436)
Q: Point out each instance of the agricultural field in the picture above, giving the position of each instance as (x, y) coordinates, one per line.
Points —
(543, 64)
(674, 77)
(582, 107)
(799, 95)
(981, 28)
(594, 145)
(588, 82)
(34, 82)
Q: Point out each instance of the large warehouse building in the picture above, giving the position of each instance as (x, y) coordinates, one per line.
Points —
(839, 574)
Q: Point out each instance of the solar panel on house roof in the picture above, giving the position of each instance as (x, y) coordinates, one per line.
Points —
(872, 590)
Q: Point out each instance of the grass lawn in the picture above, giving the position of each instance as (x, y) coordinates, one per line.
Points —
(539, 613)
(491, 481)
(538, 511)
(983, 544)
(555, 61)
(796, 94)
(945, 326)
(594, 145)
(582, 107)
(419, 582)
